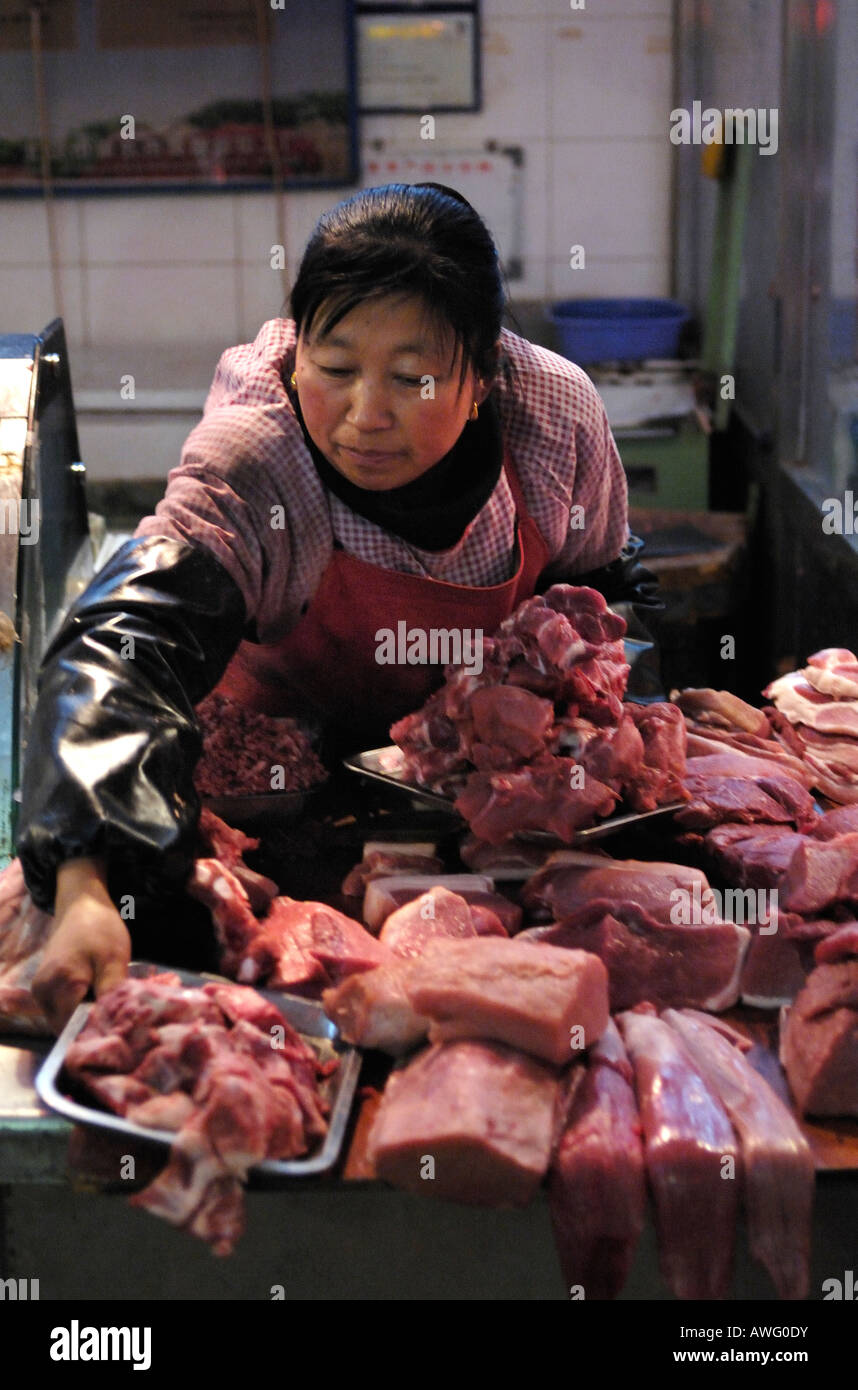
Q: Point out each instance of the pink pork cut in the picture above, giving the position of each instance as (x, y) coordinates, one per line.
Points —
(571, 880)
(509, 726)
(491, 913)
(298, 946)
(521, 993)
(384, 895)
(540, 796)
(218, 840)
(821, 874)
(597, 1183)
(481, 1111)
(647, 959)
(388, 863)
(687, 1137)
(659, 781)
(719, 709)
(437, 913)
(777, 1164)
(373, 1009)
(24, 933)
(841, 821)
(204, 1068)
(796, 698)
(752, 856)
(736, 787)
(819, 1041)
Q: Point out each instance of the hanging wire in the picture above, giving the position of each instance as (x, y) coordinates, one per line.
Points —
(263, 22)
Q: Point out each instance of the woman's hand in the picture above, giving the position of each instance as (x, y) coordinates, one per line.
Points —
(90, 946)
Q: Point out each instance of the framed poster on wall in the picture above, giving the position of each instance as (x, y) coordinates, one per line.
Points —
(185, 94)
(416, 57)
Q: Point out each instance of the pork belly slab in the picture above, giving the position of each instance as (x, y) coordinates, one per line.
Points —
(468, 1121)
(687, 1138)
(521, 993)
(777, 1163)
(597, 1183)
(651, 960)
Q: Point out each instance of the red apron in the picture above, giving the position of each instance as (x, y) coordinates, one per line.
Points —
(326, 667)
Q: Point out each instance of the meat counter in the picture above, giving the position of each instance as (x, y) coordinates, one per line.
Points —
(345, 1236)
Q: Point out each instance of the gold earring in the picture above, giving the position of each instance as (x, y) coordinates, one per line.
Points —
(475, 411)
(294, 380)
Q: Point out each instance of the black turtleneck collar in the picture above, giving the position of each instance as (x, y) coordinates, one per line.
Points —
(432, 511)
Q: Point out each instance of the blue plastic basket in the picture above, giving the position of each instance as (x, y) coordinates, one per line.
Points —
(602, 330)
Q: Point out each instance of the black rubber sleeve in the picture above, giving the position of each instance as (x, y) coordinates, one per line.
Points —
(108, 768)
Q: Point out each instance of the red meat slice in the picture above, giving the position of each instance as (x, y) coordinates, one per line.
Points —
(509, 726)
(687, 1137)
(842, 944)
(752, 856)
(777, 1164)
(820, 875)
(572, 880)
(541, 796)
(819, 1042)
(481, 1111)
(659, 781)
(597, 1184)
(651, 960)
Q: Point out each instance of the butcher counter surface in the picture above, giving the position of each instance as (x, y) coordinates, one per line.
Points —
(63, 1217)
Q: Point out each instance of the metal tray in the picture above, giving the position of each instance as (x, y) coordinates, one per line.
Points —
(280, 807)
(385, 765)
(306, 1016)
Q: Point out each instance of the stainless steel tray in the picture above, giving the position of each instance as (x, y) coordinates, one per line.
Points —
(385, 765)
(280, 807)
(306, 1016)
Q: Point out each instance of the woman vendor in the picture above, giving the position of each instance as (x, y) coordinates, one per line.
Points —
(390, 453)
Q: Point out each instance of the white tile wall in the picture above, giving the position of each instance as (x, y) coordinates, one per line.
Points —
(585, 92)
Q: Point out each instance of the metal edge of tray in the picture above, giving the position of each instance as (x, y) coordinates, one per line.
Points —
(287, 806)
(356, 763)
(306, 1017)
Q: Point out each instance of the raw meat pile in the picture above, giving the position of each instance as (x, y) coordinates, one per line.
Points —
(753, 818)
(24, 931)
(541, 739)
(818, 709)
(219, 1067)
(241, 748)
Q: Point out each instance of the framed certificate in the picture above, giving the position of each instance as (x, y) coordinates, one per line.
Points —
(421, 58)
(215, 95)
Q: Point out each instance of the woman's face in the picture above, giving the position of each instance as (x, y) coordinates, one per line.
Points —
(366, 400)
